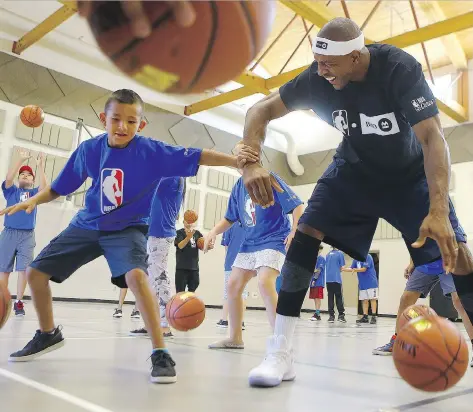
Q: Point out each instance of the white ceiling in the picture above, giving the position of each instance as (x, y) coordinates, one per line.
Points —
(71, 49)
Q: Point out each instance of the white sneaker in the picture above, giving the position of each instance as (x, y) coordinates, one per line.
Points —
(277, 366)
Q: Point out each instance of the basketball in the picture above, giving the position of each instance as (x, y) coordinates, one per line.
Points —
(415, 311)
(200, 243)
(185, 311)
(431, 354)
(225, 38)
(190, 216)
(32, 116)
(5, 305)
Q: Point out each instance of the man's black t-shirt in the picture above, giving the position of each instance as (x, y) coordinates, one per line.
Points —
(188, 257)
(375, 115)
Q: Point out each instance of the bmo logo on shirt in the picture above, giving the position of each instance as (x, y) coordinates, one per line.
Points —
(383, 124)
(250, 212)
(111, 184)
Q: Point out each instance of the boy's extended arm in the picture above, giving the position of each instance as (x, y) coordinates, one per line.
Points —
(45, 196)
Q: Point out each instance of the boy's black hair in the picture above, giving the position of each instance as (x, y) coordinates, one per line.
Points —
(125, 96)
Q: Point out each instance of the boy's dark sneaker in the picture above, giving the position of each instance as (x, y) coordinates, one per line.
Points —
(222, 323)
(41, 344)
(363, 320)
(162, 368)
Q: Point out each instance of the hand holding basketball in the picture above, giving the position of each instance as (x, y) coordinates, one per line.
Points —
(184, 14)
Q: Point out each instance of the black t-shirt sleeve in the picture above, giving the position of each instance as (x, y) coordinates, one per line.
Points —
(180, 236)
(411, 92)
(296, 93)
(198, 235)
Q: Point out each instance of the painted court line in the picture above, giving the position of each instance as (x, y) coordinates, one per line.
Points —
(81, 403)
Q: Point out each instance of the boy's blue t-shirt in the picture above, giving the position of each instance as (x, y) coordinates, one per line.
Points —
(232, 238)
(432, 268)
(165, 207)
(368, 279)
(124, 180)
(320, 280)
(19, 220)
(333, 266)
(264, 228)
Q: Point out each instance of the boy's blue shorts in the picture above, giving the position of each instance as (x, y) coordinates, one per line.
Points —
(124, 250)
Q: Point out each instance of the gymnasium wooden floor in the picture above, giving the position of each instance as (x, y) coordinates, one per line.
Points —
(102, 369)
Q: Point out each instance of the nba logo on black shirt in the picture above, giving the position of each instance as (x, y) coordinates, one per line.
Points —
(321, 45)
(111, 184)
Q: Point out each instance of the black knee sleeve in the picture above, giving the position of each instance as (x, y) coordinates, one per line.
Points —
(464, 287)
(296, 273)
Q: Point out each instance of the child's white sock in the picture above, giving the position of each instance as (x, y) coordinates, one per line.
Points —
(285, 325)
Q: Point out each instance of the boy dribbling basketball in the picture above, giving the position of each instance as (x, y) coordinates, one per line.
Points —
(113, 222)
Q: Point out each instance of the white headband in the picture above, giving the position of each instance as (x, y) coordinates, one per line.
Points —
(337, 48)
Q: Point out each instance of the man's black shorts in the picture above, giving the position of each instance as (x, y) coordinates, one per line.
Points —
(346, 209)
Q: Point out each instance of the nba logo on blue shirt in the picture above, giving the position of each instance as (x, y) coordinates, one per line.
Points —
(24, 196)
(250, 212)
(111, 184)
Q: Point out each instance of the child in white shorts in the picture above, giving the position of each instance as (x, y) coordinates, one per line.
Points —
(267, 236)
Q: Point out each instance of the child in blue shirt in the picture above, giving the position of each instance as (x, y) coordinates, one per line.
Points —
(262, 253)
(232, 240)
(334, 263)
(368, 287)
(125, 169)
(317, 285)
(17, 240)
(164, 212)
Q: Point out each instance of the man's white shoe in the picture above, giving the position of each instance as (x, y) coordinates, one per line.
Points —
(277, 366)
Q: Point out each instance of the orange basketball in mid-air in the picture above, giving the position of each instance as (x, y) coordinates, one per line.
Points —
(5, 305)
(431, 354)
(224, 39)
(190, 216)
(415, 311)
(185, 311)
(32, 116)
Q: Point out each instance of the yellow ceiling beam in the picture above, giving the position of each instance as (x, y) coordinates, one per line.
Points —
(432, 31)
(453, 48)
(43, 28)
(254, 82)
(453, 110)
(316, 13)
(218, 100)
